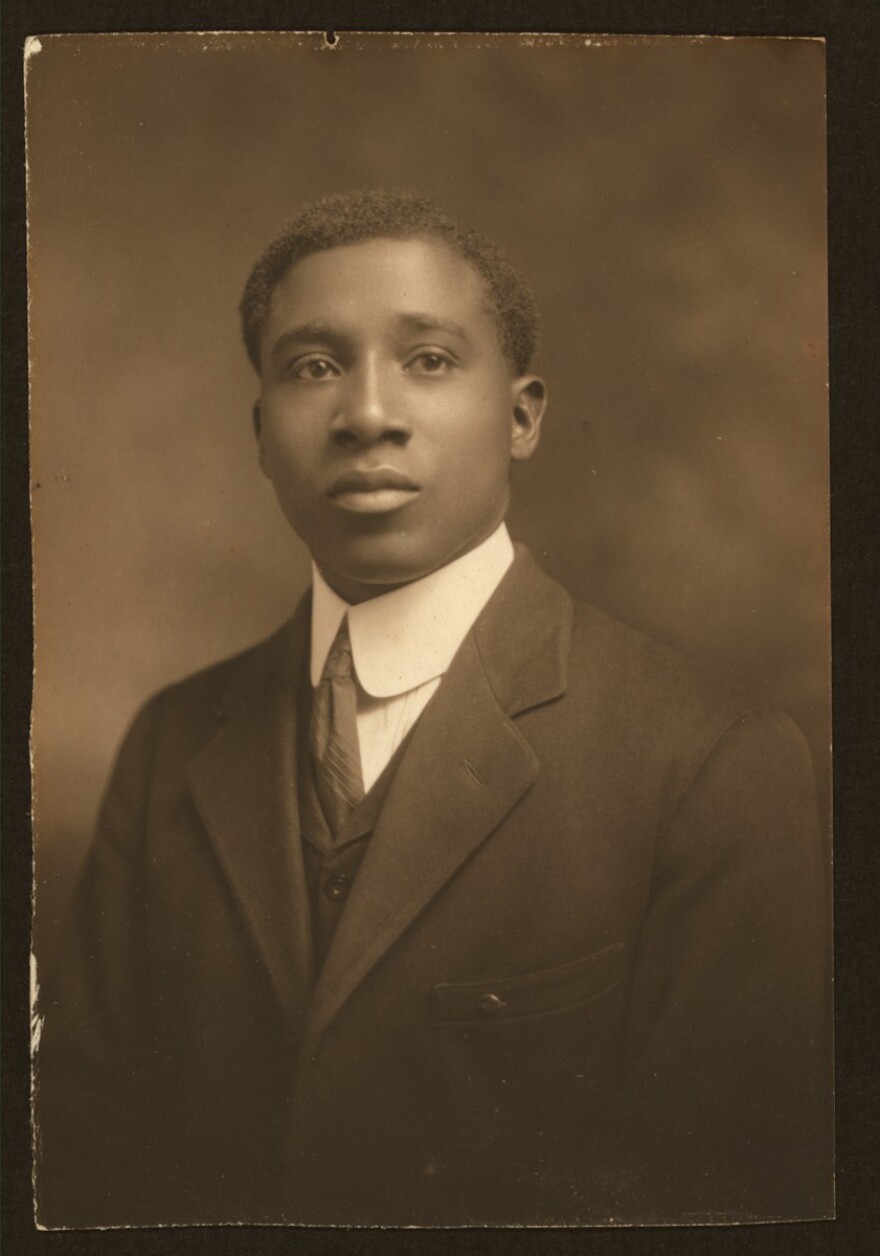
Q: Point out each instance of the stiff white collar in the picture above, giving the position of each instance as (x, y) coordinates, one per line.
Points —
(409, 636)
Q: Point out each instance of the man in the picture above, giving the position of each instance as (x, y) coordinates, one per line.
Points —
(453, 902)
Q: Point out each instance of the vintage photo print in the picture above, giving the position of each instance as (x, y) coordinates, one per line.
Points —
(431, 725)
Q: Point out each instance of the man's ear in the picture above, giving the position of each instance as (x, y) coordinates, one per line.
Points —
(529, 395)
(257, 417)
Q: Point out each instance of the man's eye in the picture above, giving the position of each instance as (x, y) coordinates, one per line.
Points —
(429, 363)
(313, 369)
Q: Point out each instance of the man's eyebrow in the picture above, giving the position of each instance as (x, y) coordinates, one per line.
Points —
(315, 332)
(431, 322)
(304, 334)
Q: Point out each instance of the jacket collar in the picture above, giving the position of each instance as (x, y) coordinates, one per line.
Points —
(523, 637)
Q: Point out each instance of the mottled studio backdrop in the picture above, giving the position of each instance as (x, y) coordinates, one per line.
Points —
(666, 197)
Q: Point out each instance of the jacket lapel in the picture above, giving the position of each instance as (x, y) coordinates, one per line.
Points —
(466, 767)
(244, 785)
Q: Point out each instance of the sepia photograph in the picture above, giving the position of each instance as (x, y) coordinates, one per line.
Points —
(431, 729)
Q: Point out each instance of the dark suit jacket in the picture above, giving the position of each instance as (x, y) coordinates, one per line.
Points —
(579, 978)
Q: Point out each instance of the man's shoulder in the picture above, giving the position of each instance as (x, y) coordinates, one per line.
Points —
(604, 661)
(188, 710)
(643, 703)
(213, 681)
(627, 654)
(646, 689)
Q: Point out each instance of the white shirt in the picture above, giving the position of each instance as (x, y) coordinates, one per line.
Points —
(403, 642)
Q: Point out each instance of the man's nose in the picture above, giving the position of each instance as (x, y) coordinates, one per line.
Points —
(371, 408)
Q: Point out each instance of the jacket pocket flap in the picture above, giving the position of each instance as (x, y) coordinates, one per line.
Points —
(529, 994)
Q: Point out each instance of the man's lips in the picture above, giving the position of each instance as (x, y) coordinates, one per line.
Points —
(373, 490)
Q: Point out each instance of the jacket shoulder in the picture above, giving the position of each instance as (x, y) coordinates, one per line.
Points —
(209, 685)
(612, 675)
(181, 717)
(633, 661)
(657, 708)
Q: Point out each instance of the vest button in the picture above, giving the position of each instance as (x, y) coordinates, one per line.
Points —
(490, 1004)
(337, 886)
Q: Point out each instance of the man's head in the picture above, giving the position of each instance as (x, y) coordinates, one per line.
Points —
(393, 348)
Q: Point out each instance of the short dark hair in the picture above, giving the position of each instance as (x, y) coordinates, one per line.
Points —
(371, 214)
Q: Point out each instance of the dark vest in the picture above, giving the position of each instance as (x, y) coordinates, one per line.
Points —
(331, 866)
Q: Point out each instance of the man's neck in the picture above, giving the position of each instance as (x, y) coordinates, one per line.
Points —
(355, 592)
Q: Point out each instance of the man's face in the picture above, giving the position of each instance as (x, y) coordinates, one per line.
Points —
(388, 413)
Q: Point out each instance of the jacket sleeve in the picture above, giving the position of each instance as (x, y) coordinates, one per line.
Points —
(92, 1096)
(727, 1072)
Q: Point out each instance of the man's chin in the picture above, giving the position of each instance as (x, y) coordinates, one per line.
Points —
(359, 577)
(370, 564)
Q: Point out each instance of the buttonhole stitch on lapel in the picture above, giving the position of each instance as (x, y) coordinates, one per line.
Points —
(474, 772)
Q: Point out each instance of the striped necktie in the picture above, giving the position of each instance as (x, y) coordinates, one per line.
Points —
(334, 735)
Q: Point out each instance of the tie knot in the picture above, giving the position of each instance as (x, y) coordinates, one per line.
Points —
(339, 663)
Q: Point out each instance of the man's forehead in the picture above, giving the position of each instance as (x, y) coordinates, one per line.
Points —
(418, 281)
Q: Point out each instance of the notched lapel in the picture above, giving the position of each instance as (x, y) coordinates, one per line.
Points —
(244, 785)
(466, 768)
